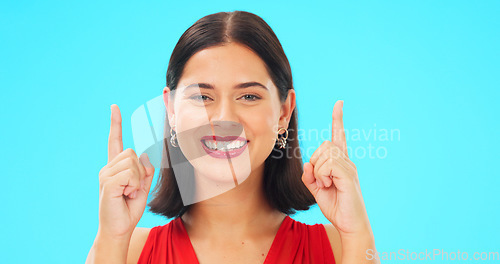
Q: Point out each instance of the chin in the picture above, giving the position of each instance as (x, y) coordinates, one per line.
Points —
(223, 171)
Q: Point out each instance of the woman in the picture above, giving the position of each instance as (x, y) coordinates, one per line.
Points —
(231, 114)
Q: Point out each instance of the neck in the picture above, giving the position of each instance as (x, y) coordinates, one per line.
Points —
(238, 212)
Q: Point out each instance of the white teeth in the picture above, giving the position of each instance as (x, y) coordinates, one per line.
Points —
(220, 144)
(211, 144)
(223, 145)
(235, 144)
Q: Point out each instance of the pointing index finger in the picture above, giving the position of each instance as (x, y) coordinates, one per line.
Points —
(338, 133)
(115, 143)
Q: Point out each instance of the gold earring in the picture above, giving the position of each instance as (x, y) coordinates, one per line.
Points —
(173, 137)
(282, 141)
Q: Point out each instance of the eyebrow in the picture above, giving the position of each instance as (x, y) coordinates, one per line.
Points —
(238, 86)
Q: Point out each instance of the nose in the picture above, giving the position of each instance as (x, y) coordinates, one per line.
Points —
(225, 118)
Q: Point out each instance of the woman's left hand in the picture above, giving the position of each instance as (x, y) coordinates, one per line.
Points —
(333, 180)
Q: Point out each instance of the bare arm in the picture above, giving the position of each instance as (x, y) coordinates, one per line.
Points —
(118, 251)
(108, 250)
(359, 249)
(355, 248)
(335, 242)
(137, 242)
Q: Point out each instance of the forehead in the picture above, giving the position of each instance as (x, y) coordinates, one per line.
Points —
(227, 64)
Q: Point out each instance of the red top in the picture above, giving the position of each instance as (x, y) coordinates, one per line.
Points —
(295, 242)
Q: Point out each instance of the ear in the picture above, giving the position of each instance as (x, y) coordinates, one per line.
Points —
(168, 99)
(287, 109)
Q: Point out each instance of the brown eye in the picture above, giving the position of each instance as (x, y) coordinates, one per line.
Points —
(199, 97)
(250, 97)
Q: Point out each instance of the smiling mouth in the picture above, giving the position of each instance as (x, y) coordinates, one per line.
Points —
(224, 145)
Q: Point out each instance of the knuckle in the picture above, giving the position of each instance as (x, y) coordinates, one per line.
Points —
(133, 178)
(353, 165)
(332, 152)
(129, 172)
(321, 171)
(129, 162)
(101, 172)
(323, 155)
(130, 151)
(313, 159)
(133, 173)
(103, 175)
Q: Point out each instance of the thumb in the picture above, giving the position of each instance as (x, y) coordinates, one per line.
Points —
(308, 178)
(150, 171)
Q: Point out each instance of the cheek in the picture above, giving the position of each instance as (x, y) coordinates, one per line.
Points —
(262, 125)
(188, 117)
(189, 120)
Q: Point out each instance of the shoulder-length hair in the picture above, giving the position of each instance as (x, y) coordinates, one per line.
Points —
(282, 182)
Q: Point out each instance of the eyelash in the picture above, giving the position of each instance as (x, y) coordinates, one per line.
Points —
(255, 97)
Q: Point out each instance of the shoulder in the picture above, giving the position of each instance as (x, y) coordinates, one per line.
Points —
(137, 242)
(335, 243)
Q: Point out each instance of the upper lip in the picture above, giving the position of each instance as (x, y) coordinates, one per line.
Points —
(226, 138)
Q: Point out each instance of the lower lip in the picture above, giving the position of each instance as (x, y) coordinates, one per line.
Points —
(224, 154)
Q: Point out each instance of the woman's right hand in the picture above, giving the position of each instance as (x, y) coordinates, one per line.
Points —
(124, 185)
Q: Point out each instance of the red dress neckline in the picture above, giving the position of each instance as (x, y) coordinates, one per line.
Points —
(188, 245)
(294, 243)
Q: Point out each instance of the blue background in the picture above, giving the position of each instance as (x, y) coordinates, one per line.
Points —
(428, 69)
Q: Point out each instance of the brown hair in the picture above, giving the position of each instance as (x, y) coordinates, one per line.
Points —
(283, 186)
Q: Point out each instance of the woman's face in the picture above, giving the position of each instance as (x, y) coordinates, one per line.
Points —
(227, 112)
